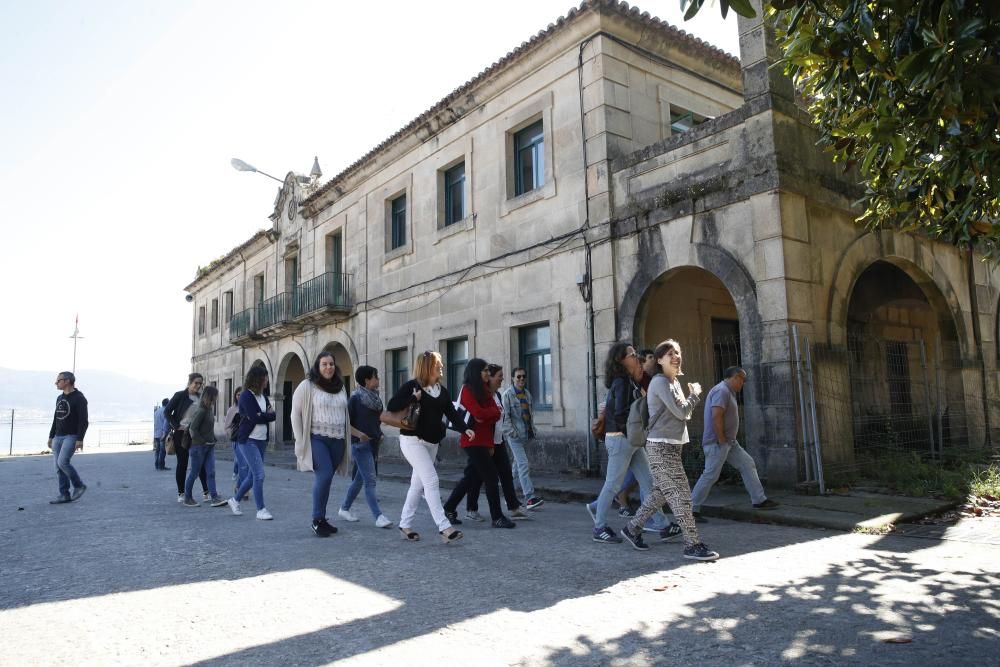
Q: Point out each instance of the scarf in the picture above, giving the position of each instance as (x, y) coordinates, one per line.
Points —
(369, 399)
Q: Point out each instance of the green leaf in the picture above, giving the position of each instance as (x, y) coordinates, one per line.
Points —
(743, 8)
(693, 9)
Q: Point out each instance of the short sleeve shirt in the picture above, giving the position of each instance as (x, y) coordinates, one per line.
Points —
(721, 396)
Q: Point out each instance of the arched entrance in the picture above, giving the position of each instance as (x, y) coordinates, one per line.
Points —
(291, 372)
(905, 386)
(694, 307)
(344, 363)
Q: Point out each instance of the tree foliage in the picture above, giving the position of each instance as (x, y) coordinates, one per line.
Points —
(907, 92)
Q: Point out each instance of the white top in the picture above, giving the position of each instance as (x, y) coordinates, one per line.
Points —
(328, 413)
(259, 431)
(498, 428)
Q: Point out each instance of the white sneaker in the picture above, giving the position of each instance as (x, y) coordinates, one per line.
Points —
(264, 515)
(180, 497)
(383, 522)
(473, 515)
(347, 515)
(207, 496)
(234, 505)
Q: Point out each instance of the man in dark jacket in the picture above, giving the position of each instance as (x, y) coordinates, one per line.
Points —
(177, 416)
(69, 425)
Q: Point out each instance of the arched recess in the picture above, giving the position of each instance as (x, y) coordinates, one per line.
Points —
(904, 253)
(291, 371)
(344, 362)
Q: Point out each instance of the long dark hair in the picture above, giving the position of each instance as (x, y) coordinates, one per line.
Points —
(613, 366)
(334, 384)
(208, 396)
(473, 378)
(255, 378)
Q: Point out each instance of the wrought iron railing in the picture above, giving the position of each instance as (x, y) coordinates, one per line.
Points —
(275, 310)
(330, 290)
(242, 324)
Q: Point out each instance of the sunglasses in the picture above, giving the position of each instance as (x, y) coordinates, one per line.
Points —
(520, 377)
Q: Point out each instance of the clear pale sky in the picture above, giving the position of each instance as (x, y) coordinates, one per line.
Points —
(119, 119)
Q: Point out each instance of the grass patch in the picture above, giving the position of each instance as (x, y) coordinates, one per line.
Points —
(953, 477)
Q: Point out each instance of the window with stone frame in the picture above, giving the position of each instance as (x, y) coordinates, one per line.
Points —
(529, 158)
(534, 345)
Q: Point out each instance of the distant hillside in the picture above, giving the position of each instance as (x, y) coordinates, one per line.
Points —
(109, 395)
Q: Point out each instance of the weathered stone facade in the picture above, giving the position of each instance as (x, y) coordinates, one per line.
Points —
(669, 225)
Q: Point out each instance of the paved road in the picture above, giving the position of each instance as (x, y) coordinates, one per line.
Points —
(128, 576)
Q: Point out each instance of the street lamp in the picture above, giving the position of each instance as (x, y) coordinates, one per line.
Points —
(240, 165)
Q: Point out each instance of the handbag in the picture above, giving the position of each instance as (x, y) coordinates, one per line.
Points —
(597, 427)
(406, 418)
(171, 450)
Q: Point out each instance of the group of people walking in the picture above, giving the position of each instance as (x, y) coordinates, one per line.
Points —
(645, 417)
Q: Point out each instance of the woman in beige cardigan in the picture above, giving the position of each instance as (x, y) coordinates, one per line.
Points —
(321, 425)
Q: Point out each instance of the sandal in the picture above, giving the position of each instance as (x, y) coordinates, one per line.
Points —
(410, 535)
(452, 537)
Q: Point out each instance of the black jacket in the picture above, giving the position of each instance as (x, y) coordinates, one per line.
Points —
(621, 395)
(430, 427)
(177, 408)
(70, 416)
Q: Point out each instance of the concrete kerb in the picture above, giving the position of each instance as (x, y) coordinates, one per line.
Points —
(866, 512)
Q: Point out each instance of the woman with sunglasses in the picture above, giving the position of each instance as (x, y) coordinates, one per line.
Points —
(419, 445)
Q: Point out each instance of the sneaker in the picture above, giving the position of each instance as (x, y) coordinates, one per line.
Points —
(534, 503)
(504, 522)
(591, 512)
(320, 529)
(768, 504)
(218, 501)
(698, 518)
(327, 526)
(264, 515)
(635, 540)
(347, 515)
(625, 512)
(473, 515)
(60, 500)
(383, 522)
(234, 505)
(671, 532)
(180, 497)
(607, 536)
(700, 552)
(78, 491)
(191, 502)
(452, 518)
(207, 497)
(520, 513)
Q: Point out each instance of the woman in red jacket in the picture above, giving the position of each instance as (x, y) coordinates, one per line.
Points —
(476, 397)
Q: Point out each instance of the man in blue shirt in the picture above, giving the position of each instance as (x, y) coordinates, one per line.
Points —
(722, 422)
(160, 430)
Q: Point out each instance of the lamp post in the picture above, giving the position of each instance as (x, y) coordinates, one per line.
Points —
(240, 165)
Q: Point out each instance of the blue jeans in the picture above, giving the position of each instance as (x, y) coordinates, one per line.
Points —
(327, 453)
(522, 478)
(252, 452)
(63, 447)
(365, 460)
(159, 453)
(623, 457)
(201, 455)
(733, 454)
(238, 463)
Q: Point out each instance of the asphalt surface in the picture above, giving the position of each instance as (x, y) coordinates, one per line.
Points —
(126, 575)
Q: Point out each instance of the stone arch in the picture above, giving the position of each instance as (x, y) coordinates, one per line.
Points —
(291, 371)
(344, 361)
(923, 268)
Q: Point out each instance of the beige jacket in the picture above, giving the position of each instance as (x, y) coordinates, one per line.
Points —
(302, 428)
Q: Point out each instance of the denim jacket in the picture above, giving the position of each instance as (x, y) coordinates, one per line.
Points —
(514, 426)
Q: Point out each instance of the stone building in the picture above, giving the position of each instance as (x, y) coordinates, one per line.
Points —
(612, 178)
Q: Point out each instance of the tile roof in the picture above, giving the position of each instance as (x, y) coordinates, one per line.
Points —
(687, 40)
(203, 271)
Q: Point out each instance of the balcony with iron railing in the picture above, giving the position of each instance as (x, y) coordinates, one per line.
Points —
(309, 303)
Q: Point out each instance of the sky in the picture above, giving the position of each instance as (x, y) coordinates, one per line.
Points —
(120, 117)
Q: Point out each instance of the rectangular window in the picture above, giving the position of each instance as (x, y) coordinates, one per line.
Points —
(682, 120)
(536, 358)
(201, 320)
(291, 273)
(397, 222)
(458, 356)
(454, 194)
(215, 314)
(398, 371)
(258, 289)
(228, 398)
(529, 159)
(227, 305)
(215, 406)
